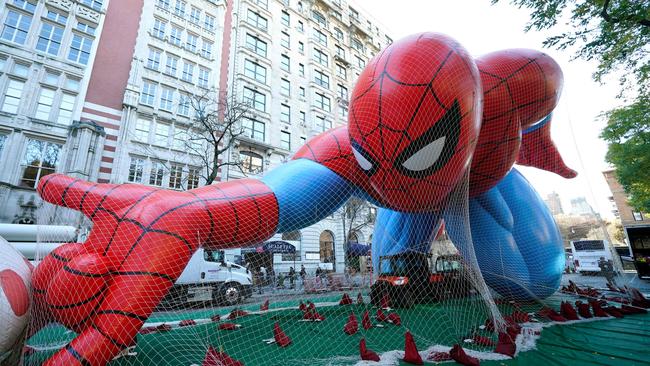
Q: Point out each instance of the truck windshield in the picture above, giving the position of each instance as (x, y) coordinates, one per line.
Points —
(447, 265)
(403, 265)
(213, 256)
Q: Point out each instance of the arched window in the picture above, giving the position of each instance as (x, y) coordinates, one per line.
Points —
(327, 247)
(251, 162)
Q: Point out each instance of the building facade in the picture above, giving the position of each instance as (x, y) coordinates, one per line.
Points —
(628, 216)
(554, 203)
(296, 63)
(47, 52)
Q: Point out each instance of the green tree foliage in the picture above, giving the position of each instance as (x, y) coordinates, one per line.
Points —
(628, 135)
(614, 33)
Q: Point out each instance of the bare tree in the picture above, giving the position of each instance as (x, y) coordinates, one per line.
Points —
(219, 120)
(355, 215)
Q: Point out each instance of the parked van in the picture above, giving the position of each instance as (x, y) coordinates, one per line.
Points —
(587, 253)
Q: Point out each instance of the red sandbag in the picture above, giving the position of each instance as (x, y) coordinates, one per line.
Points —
(583, 310)
(215, 318)
(482, 341)
(489, 325)
(366, 354)
(237, 313)
(265, 306)
(613, 311)
(385, 302)
(352, 325)
(312, 315)
(458, 354)
(186, 322)
(506, 345)
(394, 317)
(360, 299)
(365, 321)
(568, 311)
(281, 339)
(227, 326)
(411, 354)
(520, 317)
(381, 317)
(439, 356)
(302, 306)
(214, 358)
(345, 300)
(598, 310)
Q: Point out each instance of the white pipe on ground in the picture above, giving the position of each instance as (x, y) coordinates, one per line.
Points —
(38, 233)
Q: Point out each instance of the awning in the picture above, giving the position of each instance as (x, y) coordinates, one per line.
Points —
(277, 246)
(358, 249)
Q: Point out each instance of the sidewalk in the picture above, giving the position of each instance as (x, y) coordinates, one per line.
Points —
(625, 278)
(341, 283)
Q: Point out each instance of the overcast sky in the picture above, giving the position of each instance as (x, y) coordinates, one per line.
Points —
(482, 28)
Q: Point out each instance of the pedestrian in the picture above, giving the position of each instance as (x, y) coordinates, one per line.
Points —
(607, 269)
(303, 272)
(292, 277)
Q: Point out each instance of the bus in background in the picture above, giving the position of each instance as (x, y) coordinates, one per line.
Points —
(587, 253)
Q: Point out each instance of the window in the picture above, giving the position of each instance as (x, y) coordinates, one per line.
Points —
(56, 17)
(254, 129)
(179, 8)
(321, 37)
(176, 176)
(638, 216)
(256, 20)
(12, 96)
(156, 174)
(360, 62)
(171, 66)
(3, 138)
(285, 113)
(320, 57)
(204, 77)
(49, 40)
(175, 37)
(251, 162)
(301, 47)
(303, 117)
(193, 176)
(135, 170)
(153, 61)
(255, 99)
(338, 34)
(285, 63)
(41, 158)
(65, 109)
(319, 18)
(72, 83)
(285, 87)
(255, 71)
(323, 124)
(356, 44)
(285, 40)
(86, 28)
(321, 79)
(286, 19)
(184, 105)
(344, 112)
(166, 99)
(302, 92)
(340, 52)
(208, 23)
(337, 14)
(148, 94)
(206, 49)
(256, 45)
(192, 40)
(16, 27)
(45, 101)
(52, 78)
(159, 29)
(262, 3)
(354, 14)
(141, 132)
(80, 49)
(285, 140)
(162, 134)
(301, 26)
(25, 5)
(188, 72)
(343, 92)
(95, 4)
(195, 15)
(301, 70)
(21, 70)
(322, 102)
(163, 4)
(341, 71)
(180, 138)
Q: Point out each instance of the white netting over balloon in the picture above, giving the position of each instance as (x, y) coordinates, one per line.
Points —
(466, 259)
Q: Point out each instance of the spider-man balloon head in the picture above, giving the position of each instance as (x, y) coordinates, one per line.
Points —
(414, 120)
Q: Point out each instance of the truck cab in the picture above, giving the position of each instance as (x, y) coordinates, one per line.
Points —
(412, 277)
(209, 277)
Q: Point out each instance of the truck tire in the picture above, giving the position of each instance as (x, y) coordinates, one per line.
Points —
(230, 293)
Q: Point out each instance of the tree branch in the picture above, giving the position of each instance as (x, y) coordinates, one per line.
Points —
(609, 19)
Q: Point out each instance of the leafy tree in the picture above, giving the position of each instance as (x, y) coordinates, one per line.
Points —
(628, 135)
(614, 33)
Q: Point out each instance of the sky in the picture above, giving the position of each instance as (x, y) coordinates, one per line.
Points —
(482, 28)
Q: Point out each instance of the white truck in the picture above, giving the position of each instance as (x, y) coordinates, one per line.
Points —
(587, 253)
(207, 277)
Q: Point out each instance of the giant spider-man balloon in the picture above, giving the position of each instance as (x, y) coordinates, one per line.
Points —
(424, 115)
